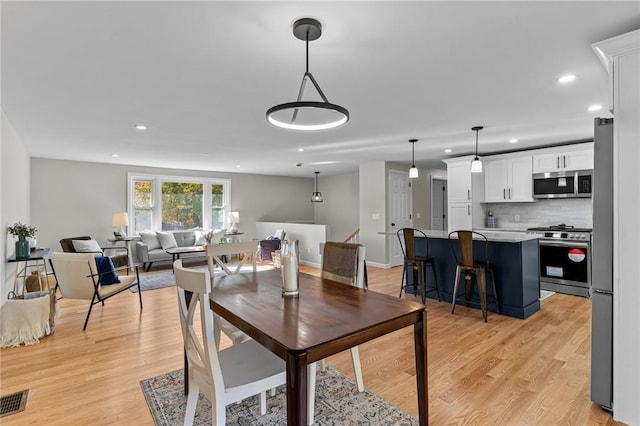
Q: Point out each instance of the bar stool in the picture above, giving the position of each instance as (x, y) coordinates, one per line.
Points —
(417, 262)
(466, 265)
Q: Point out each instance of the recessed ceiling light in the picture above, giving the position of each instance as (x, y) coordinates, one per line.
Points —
(115, 155)
(238, 166)
(300, 149)
(513, 140)
(567, 78)
(595, 108)
(447, 150)
(140, 127)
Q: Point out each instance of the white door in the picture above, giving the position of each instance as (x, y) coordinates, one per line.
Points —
(399, 208)
(439, 204)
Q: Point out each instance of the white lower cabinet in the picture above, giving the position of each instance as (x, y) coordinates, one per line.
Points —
(460, 216)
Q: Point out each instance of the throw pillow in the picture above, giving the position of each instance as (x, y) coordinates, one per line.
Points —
(86, 246)
(150, 239)
(167, 240)
(106, 270)
(200, 240)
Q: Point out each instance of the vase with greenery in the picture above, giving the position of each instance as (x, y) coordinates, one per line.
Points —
(23, 232)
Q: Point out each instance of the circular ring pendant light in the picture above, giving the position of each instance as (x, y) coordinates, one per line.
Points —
(308, 115)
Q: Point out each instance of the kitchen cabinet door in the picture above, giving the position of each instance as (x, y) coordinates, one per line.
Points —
(520, 186)
(495, 180)
(459, 181)
(460, 216)
(508, 180)
(569, 160)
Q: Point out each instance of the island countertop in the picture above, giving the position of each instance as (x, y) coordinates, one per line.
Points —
(493, 236)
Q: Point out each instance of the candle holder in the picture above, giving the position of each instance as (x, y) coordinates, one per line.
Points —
(289, 260)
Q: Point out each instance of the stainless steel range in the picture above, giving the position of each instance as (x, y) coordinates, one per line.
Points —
(565, 259)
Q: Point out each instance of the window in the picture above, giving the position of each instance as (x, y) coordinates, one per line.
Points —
(167, 203)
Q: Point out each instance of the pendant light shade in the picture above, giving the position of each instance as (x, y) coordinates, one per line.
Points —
(476, 164)
(316, 196)
(308, 115)
(413, 171)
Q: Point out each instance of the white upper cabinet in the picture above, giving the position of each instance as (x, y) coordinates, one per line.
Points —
(563, 160)
(459, 181)
(508, 180)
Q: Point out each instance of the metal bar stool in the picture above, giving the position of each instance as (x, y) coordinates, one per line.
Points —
(417, 262)
(466, 265)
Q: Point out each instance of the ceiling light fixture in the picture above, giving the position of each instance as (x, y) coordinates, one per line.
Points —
(115, 155)
(141, 127)
(593, 108)
(476, 164)
(316, 197)
(447, 150)
(513, 140)
(567, 78)
(413, 171)
(307, 115)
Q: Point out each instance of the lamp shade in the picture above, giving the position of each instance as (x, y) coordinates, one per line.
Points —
(476, 166)
(234, 217)
(120, 219)
(413, 172)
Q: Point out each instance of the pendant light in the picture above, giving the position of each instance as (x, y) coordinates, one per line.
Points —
(476, 164)
(307, 115)
(316, 197)
(413, 171)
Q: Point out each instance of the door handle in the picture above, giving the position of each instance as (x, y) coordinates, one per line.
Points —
(509, 193)
(558, 161)
(564, 161)
(504, 194)
(393, 224)
(468, 210)
(468, 195)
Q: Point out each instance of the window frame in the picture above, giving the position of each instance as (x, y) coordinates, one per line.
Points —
(156, 197)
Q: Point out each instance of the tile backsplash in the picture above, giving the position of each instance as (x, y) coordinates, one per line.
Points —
(571, 211)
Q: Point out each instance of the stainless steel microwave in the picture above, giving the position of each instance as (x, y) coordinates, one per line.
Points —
(575, 184)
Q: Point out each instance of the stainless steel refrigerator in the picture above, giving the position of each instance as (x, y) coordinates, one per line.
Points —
(602, 266)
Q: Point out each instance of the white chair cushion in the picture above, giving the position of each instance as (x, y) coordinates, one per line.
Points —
(86, 246)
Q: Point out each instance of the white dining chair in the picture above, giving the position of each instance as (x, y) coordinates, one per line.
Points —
(223, 376)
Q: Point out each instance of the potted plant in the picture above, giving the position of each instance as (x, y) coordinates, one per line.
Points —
(23, 232)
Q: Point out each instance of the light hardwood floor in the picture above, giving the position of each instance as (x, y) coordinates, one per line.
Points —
(504, 372)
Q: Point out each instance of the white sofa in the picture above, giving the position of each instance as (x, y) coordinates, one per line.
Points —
(152, 245)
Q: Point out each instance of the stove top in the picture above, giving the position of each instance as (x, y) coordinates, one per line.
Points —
(561, 227)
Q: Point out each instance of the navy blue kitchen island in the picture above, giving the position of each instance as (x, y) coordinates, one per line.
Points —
(514, 256)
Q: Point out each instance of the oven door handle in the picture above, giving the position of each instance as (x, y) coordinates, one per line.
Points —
(564, 244)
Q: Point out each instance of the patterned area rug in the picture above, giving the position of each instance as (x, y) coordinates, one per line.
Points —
(338, 402)
(155, 280)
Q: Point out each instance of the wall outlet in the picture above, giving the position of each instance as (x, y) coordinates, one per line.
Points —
(375, 216)
(517, 217)
(417, 215)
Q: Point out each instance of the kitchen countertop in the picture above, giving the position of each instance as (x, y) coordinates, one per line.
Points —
(495, 235)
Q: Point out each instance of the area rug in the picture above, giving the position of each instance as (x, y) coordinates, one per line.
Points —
(338, 402)
(155, 280)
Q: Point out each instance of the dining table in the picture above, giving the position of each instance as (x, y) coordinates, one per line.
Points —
(325, 318)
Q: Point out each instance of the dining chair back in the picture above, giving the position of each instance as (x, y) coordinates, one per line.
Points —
(415, 250)
(219, 254)
(77, 277)
(467, 266)
(223, 376)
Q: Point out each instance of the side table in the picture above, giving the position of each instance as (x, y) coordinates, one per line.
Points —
(233, 237)
(37, 259)
(113, 243)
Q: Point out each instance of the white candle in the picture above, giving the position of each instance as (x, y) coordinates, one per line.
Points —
(290, 273)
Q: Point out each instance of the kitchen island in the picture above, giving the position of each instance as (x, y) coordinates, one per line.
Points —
(514, 257)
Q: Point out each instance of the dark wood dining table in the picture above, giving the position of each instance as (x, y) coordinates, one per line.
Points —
(326, 318)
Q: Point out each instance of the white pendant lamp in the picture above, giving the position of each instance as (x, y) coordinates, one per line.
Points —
(413, 171)
(308, 115)
(476, 164)
(316, 196)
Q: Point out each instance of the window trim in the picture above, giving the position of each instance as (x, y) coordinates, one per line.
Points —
(156, 197)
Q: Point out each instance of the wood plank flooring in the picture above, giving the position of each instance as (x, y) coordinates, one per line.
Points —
(504, 372)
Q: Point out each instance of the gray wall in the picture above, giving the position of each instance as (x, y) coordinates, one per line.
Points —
(14, 200)
(72, 198)
(421, 188)
(341, 206)
(373, 190)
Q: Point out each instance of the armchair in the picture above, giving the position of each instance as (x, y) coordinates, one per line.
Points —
(78, 278)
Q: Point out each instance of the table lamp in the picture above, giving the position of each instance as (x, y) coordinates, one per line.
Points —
(121, 220)
(234, 217)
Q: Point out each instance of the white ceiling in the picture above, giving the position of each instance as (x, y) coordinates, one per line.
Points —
(77, 77)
